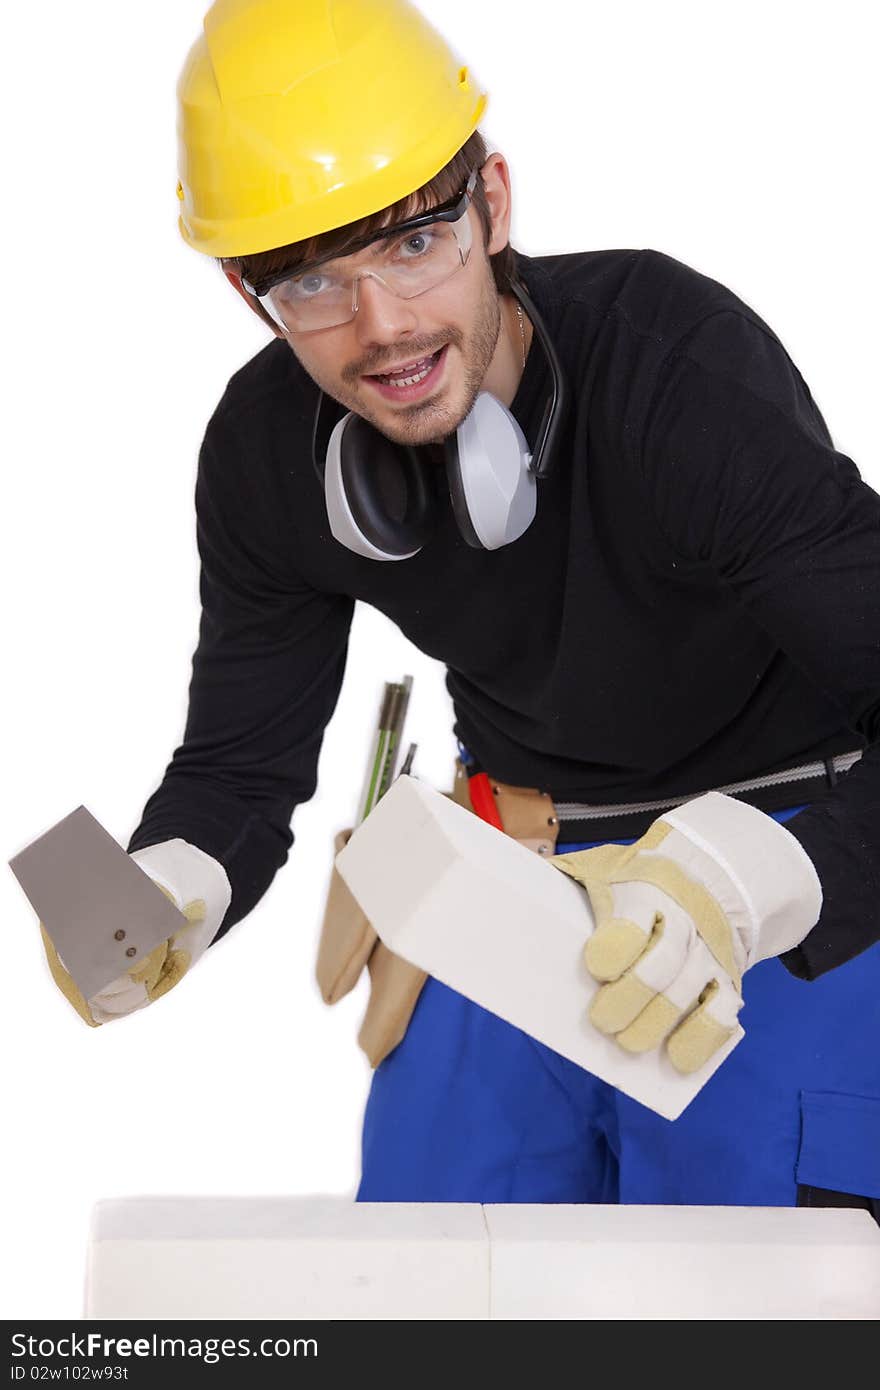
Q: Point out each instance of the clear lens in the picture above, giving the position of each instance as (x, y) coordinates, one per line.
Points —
(324, 295)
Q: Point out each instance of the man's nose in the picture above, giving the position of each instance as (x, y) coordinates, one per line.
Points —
(381, 316)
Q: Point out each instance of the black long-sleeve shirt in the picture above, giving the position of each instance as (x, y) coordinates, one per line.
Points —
(697, 602)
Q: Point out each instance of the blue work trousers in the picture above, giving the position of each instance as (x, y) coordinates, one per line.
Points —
(468, 1108)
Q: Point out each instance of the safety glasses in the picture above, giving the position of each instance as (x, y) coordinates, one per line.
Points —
(408, 258)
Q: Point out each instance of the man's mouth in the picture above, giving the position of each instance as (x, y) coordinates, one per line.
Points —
(408, 380)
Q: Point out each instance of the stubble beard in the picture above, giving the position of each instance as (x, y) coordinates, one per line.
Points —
(432, 421)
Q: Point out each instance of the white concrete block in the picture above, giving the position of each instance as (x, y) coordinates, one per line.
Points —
(333, 1258)
(286, 1257)
(687, 1263)
(490, 919)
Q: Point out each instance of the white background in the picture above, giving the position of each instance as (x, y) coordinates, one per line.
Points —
(738, 138)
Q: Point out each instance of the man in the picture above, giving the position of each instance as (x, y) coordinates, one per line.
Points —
(680, 646)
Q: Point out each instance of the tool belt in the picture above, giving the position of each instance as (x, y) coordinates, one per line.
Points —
(348, 942)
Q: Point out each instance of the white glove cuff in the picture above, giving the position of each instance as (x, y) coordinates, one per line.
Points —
(770, 868)
(189, 873)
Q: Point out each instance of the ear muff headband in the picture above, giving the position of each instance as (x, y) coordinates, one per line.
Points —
(544, 452)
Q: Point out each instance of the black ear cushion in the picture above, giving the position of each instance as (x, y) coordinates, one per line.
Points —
(457, 493)
(387, 487)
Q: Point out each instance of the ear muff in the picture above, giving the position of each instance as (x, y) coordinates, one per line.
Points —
(379, 497)
(493, 490)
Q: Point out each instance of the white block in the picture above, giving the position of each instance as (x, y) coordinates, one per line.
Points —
(300, 1258)
(686, 1263)
(286, 1257)
(493, 921)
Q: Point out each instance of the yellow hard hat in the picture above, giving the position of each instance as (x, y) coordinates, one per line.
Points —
(300, 116)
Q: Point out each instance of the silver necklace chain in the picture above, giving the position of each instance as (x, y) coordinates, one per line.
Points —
(522, 331)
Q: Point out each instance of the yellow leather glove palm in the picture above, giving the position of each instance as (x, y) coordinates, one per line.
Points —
(152, 977)
(199, 888)
(680, 915)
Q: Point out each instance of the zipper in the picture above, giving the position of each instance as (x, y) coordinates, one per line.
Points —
(572, 810)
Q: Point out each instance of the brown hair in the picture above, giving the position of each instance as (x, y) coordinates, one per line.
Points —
(443, 186)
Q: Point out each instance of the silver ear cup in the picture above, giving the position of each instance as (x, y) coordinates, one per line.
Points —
(495, 485)
(343, 525)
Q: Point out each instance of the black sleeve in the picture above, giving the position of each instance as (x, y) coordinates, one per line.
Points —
(266, 676)
(749, 489)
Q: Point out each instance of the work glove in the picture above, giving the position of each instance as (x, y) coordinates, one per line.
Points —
(708, 890)
(198, 887)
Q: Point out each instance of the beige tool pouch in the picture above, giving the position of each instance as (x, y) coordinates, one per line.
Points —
(347, 938)
(348, 942)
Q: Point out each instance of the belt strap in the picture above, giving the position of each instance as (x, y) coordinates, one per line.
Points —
(825, 772)
(547, 821)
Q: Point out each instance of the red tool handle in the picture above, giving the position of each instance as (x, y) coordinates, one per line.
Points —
(483, 800)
